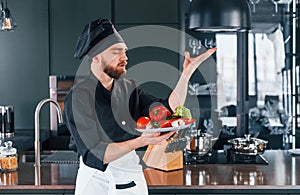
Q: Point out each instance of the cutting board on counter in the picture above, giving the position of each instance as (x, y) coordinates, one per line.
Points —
(156, 157)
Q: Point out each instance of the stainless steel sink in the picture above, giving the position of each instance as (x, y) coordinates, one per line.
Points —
(28, 157)
(54, 157)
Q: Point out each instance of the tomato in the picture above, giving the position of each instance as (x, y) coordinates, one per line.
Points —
(165, 123)
(159, 113)
(178, 121)
(188, 121)
(142, 122)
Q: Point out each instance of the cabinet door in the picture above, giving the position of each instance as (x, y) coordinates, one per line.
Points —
(145, 11)
(67, 19)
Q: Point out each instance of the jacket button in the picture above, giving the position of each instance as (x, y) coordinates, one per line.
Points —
(123, 122)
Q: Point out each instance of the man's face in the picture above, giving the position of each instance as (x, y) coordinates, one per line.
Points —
(114, 60)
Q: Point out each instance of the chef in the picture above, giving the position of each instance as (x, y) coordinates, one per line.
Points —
(101, 112)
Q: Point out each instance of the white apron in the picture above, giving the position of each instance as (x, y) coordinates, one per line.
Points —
(123, 176)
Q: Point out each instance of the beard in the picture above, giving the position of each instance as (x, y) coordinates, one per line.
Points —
(114, 72)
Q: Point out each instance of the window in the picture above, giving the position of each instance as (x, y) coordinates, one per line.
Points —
(265, 74)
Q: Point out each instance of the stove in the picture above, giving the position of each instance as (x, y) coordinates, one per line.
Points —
(244, 159)
(196, 158)
(223, 157)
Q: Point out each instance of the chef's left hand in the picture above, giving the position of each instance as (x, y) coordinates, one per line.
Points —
(191, 64)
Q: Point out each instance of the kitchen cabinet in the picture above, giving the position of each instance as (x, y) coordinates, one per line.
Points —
(219, 192)
(37, 192)
(279, 177)
(163, 192)
(232, 193)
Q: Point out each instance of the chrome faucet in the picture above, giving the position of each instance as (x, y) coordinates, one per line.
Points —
(37, 136)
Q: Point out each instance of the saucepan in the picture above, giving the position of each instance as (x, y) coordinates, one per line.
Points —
(248, 145)
(202, 143)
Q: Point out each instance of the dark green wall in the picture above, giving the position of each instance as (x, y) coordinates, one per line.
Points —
(24, 59)
(44, 40)
(67, 19)
(156, 51)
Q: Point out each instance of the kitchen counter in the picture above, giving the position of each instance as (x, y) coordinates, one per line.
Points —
(279, 176)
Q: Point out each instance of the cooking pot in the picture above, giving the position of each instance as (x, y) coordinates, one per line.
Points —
(7, 121)
(202, 143)
(248, 145)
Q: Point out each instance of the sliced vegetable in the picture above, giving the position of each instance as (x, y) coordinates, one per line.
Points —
(188, 121)
(166, 123)
(177, 123)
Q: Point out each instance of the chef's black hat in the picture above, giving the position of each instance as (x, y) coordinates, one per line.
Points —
(96, 36)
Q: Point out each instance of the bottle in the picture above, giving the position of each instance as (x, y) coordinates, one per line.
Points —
(9, 157)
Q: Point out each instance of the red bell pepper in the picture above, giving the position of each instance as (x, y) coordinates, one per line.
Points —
(159, 113)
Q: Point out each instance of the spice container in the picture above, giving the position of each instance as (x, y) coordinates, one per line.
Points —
(8, 157)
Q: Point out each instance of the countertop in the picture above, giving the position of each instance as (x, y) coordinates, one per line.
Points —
(281, 173)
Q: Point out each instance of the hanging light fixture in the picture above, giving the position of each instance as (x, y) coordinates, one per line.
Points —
(7, 22)
(228, 16)
(219, 15)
